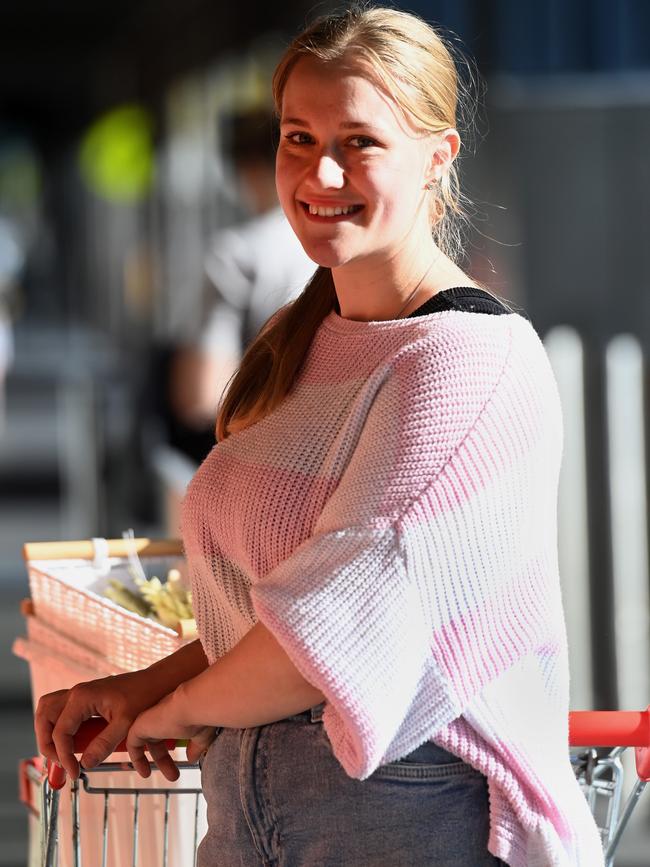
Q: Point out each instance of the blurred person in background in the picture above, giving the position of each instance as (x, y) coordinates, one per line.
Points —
(252, 269)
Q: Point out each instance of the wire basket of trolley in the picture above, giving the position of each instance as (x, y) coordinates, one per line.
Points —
(114, 817)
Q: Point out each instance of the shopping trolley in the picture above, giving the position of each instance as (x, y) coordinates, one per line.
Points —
(598, 768)
(600, 772)
(115, 836)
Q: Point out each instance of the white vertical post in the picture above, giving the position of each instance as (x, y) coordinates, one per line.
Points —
(627, 485)
(565, 351)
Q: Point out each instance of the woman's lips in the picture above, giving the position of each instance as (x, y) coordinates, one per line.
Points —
(328, 212)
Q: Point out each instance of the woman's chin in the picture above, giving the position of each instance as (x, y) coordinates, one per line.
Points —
(328, 255)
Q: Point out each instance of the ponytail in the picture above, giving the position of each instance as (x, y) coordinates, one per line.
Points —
(272, 361)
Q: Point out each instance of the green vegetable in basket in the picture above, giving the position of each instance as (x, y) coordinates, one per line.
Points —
(170, 602)
(121, 595)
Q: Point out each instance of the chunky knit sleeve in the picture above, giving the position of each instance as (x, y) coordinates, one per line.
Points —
(348, 615)
(425, 577)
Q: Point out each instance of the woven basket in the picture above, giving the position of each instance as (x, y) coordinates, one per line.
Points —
(66, 590)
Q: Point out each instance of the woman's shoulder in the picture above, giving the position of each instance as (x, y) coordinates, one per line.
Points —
(455, 352)
(456, 349)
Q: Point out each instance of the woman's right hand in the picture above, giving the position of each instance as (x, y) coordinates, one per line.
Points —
(119, 699)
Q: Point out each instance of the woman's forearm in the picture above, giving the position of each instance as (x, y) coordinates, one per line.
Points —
(184, 664)
(253, 684)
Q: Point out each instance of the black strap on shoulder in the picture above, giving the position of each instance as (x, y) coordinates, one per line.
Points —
(467, 298)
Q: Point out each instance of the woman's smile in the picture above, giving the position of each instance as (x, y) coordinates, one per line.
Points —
(332, 212)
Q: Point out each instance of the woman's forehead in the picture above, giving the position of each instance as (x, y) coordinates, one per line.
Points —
(347, 92)
(341, 78)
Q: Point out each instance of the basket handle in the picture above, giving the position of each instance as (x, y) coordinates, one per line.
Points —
(85, 550)
(87, 732)
(609, 728)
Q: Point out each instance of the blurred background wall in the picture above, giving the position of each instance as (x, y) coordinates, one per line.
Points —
(116, 171)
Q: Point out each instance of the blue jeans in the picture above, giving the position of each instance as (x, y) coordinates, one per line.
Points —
(277, 797)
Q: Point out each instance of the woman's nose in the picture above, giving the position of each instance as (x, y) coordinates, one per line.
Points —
(329, 172)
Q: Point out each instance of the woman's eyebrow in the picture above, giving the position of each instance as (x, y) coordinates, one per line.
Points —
(360, 124)
(347, 124)
(294, 121)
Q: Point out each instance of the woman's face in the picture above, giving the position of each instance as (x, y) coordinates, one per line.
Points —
(350, 169)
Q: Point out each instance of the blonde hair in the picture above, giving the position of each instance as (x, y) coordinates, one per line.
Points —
(415, 64)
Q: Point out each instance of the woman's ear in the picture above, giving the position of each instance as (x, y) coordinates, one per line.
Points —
(445, 150)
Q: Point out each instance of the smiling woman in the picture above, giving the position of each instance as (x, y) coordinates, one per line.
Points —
(372, 542)
(382, 497)
(380, 144)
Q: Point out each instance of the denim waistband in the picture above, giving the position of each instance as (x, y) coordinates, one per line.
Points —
(312, 714)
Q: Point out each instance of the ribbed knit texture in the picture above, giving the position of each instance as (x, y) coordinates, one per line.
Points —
(393, 523)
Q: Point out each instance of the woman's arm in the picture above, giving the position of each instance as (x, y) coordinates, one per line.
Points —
(185, 663)
(253, 684)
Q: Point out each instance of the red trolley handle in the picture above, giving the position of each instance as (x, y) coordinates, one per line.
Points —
(87, 732)
(609, 728)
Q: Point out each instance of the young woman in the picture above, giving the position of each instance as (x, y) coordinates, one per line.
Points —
(382, 673)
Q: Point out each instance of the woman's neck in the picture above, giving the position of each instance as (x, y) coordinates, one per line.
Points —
(393, 288)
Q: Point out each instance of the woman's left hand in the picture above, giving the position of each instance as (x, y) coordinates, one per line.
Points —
(165, 721)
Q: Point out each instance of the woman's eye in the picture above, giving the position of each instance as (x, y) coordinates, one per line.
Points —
(362, 141)
(298, 138)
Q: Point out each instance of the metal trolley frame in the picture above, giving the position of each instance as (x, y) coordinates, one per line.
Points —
(49, 780)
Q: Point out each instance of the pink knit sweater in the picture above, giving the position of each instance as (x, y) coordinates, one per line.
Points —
(393, 523)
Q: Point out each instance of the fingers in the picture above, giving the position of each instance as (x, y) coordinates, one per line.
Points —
(63, 738)
(136, 747)
(47, 713)
(104, 744)
(80, 705)
(200, 743)
(158, 752)
(59, 715)
(165, 763)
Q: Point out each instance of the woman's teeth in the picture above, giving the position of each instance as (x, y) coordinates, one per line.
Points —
(332, 212)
